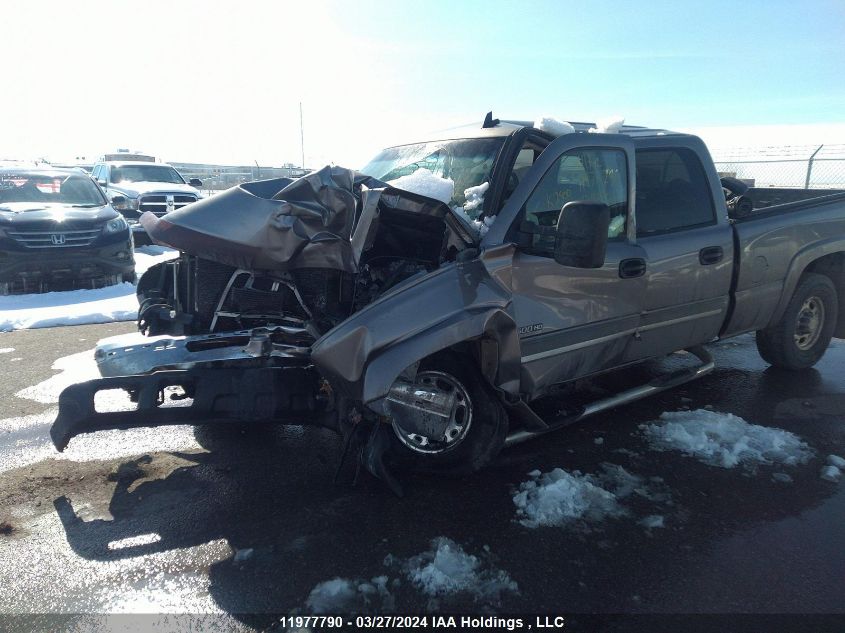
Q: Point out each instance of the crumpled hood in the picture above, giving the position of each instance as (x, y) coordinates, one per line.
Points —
(325, 219)
(20, 213)
(135, 189)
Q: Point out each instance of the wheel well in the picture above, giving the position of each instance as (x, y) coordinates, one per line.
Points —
(833, 267)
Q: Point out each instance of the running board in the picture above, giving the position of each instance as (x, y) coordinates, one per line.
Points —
(661, 383)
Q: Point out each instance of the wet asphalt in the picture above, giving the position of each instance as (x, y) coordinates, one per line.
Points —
(151, 521)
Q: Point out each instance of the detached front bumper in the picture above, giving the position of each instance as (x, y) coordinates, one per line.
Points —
(258, 376)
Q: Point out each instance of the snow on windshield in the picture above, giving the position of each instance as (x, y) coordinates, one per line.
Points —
(470, 212)
(465, 162)
(425, 183)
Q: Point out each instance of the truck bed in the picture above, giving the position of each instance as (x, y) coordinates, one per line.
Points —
(774, 246)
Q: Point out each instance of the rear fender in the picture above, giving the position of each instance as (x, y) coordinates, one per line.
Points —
(799, 265)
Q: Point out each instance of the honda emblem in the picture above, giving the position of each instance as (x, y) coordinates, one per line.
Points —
(58, 239)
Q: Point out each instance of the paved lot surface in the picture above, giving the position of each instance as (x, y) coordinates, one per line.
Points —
(179, 519)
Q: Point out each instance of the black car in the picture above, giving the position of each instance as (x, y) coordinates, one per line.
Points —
(59, 232)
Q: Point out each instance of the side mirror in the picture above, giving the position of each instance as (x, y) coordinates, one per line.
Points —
(581, 236)
(195, 182)
(102, 182)
(118, 200)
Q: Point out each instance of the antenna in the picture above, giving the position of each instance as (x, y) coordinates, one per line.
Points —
(489, 121)
(301, 136)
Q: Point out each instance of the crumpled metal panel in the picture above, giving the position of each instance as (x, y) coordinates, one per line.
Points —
(460, 301)
(322, 220)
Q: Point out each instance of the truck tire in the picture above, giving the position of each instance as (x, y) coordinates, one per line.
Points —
(479, 423)
(801, 336)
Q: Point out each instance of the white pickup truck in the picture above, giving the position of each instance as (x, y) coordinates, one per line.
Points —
(134, 187)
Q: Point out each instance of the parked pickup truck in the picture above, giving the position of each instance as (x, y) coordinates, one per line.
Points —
(427, 328)
(136, 186)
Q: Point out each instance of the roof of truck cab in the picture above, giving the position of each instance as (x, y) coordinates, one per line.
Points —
(506, 127)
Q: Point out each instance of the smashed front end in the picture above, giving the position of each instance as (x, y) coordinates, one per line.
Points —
(266, 270)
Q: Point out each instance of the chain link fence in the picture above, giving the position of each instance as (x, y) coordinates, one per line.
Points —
(795, 166)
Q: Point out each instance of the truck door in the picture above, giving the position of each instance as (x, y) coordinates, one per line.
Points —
(689, 250)
(574, 321)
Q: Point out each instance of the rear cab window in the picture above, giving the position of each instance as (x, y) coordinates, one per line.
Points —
(672, 191)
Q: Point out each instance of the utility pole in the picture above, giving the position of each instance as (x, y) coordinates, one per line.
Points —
(301, 138)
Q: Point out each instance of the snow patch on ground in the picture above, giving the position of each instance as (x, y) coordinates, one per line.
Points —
(610, 125)
(73, 369)
(553, 126)
(7, 350)
(560, 497)
(836, 460)
(77, 307)
(652, 521)
(426, 183)
(831, 473)
(725, 440)
(447, 569)
(341, 595)
(445, 572)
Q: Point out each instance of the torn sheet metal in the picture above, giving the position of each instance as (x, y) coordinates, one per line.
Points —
(325, 219)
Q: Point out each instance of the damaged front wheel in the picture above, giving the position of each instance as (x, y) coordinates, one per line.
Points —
(448, 420)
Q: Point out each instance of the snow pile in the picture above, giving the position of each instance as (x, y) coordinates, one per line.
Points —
(427, 184)
(610, 125)
(474, 199)
(560, 497)
(76, 307)
(474, 196)
(447, 569)
(617, 225)
(553, 126)
(832, 471)
(652, 521)
(725, 440)
(7, 350)
(836, 460)
(341, 595)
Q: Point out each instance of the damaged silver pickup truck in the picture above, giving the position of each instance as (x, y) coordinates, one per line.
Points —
(423, 329)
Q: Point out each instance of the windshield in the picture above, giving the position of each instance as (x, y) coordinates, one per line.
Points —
(146, 173)
(47, 188)
(468, 162)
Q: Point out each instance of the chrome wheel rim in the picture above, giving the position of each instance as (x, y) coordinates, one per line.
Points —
(447, 432)
(809, 324)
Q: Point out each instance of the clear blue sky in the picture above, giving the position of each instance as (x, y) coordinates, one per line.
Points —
(222, 81)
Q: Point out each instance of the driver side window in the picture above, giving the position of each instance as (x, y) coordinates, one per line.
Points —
(594, 175)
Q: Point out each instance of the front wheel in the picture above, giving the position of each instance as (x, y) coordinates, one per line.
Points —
(448, 420)
(801, 336)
